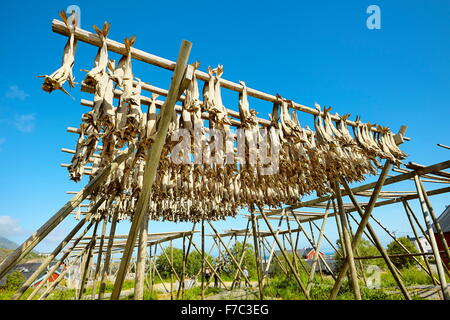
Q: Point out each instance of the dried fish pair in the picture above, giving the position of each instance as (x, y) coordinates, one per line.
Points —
(56, 80)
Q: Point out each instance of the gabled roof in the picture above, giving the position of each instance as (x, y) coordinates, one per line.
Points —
(444, 220)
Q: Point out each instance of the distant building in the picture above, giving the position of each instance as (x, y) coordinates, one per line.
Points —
(421, 241)
(27, 270)
(308, 255)
(444, 222)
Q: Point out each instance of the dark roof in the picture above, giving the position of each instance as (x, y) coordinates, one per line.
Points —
(321, 266)
(27, 269)
(444, 220)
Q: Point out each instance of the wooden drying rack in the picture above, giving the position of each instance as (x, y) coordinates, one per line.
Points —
(117, 47)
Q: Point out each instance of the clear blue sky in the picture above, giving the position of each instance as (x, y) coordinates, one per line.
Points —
(306, 51)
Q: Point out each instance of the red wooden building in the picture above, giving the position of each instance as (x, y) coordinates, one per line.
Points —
(444, 222)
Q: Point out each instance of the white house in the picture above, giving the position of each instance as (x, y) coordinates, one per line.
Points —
(425, 244)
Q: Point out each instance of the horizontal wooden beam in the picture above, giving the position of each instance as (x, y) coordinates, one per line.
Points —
(117, 47)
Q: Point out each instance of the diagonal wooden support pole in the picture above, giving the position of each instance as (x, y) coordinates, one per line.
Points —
(140, 267)
(297, 277)
(48, 260)
(378, 244)
(152, 163)
(107, 263)
(229, 253)
(169, 261)
(213, 270)
(400, 244)
(59, 216)
(349, 262)
(275, 257)
(322, 259)
(364, 220)
(317, 250)
(436, 223)
(258, 261)
(419, 243)
(99, 259)
(328, 240)
(429, 223)
(56, 265)
(272, 248)
(424, 233)
(87, 262)
(185, 260)
(60, 277)
(242, 254)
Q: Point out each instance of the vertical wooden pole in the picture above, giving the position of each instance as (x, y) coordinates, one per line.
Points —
(241, 255)
(203, 260)
(312, 245)
(106, 266)
(152, 164)
(411, 223)
(378, 244)
(357, 254)
(297, 278)
(436, 223)
(258, 262)
(437, 255)
(171, 272)
(87, 259)
(349, 261)
(185, 259)
(317, 250)
(362, 225)
(183, 273)
(99, 259)
(140, 266)
(229, 253)
(339, 229)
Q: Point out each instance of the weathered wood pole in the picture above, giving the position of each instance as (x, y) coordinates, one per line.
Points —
(317, 250)
(406, 207)
(297, 277)
(56, 265)
(48, 260)
(429, 224)
(229, 253)
(349, 262)
(312, 245)
(203, 260)
(87, 262)
(436, 223)
(363, 223)
(106, 266)
(99, 259)
(141, 259)
(152, 164)
(378, 244)
(59, 216)
(258, 262)
(185, 261)
(241, 255)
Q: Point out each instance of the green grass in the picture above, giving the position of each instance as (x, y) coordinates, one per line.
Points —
(288, 289)
(410, 276)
